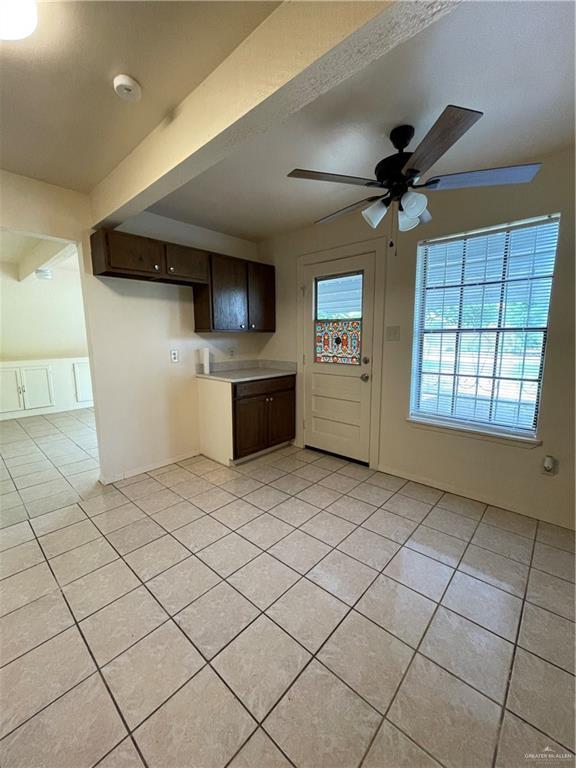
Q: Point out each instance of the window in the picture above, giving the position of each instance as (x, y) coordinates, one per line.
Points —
(338, 319)
(480, 325)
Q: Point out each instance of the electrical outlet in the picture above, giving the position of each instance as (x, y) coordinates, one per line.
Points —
(549, 466)
(174, 356)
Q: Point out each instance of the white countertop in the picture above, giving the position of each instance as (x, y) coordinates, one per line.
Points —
(246, 374)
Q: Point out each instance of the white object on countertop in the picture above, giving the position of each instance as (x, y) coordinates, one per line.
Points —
(206, 359)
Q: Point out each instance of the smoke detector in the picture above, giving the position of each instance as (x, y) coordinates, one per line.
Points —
(127, 88)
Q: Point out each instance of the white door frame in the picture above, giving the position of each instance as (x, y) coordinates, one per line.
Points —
(377, 247)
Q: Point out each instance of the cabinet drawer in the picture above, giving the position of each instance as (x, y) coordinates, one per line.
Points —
(264, 386)
(187, 265)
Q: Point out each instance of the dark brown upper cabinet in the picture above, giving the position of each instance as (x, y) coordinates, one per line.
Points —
(117, 253)
(240, 297)
(229, 294)
(187, 264)
(261, 297)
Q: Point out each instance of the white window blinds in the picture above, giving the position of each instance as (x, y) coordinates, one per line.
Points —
(480, 324)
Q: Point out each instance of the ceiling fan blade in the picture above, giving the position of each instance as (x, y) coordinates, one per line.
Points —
(299, 173)
(450, 126)
(489, 177)
(348, 209)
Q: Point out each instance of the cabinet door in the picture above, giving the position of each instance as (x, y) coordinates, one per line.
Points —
(10, 390)
(250, 425)
(229, 294)
(37, 387)
(188, 264)
(83, 382)
(261, 297)
(129, 253)
(281, 417)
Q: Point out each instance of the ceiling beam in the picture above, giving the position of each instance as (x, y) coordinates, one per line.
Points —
(43, 255)
(303, 49)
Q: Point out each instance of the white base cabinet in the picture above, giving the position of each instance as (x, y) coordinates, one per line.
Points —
(44, 386)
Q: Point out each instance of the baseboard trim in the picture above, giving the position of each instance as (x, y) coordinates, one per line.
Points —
(450, 488)
(107, 479)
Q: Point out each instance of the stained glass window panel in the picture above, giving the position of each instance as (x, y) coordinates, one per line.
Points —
(338, 319)
(338, 341)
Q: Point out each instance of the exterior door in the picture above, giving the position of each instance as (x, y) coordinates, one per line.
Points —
(338, 331)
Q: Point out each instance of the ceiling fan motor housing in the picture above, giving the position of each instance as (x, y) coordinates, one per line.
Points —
(389, 173)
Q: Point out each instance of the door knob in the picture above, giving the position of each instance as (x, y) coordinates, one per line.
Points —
(156, 267)
(365, 360)
(253, 325)
(170, 269)
(242, 325)
(364, 377)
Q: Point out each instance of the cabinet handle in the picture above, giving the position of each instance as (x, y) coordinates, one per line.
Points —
(157, 267)
(242, 325)
(170, 269)
(271, 399)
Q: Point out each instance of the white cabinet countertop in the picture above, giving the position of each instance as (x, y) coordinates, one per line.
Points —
(233, 376)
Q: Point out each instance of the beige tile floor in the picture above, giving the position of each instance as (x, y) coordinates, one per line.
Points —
(296, 610)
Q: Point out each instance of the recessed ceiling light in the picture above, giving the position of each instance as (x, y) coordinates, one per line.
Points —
(18, 19)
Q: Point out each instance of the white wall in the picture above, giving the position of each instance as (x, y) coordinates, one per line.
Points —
(493, 471)
(146, 405)
(41, 318)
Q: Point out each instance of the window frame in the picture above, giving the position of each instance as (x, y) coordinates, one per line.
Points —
(454, 423)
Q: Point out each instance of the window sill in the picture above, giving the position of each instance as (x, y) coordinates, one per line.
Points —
(495, 437)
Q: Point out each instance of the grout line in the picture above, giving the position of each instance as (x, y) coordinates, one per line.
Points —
(512, 662)
(417, 649)
(98, 671)
(333, 548)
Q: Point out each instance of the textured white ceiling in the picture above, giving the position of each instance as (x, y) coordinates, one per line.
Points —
(61, 121)
(512, 60)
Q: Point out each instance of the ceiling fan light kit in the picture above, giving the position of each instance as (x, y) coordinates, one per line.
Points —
(405, 222)
(397, 175)
(375, 212)
(414, 203)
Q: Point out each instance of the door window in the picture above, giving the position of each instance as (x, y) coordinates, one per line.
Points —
(338, 319)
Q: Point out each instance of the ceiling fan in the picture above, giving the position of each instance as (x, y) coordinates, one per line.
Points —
(397, 175)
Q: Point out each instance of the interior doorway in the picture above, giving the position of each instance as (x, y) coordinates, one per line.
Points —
(45, 381)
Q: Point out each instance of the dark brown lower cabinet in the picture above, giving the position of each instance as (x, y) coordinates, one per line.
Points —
(264, 414)
(250, 426)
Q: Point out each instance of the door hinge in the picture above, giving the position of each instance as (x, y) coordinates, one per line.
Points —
(303, 359)
(303, 290)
